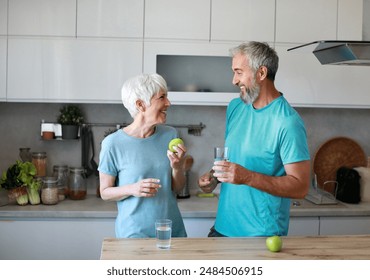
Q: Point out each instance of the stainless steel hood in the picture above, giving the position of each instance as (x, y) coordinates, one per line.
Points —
(339, 52)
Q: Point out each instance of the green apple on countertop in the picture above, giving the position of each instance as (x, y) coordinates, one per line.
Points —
(274, 243)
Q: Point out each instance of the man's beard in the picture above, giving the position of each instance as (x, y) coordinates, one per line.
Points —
(249, 95)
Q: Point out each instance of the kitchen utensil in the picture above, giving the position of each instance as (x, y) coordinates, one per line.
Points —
(335, 153)
(188, 163)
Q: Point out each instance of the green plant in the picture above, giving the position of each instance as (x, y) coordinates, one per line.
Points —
(70, 115)
(18, 176)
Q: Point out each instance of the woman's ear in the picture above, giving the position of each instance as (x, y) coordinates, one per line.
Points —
(140, 105)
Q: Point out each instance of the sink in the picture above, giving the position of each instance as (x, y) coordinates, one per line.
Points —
(305, 203)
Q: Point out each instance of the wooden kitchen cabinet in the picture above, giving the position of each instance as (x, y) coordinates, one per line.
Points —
(114, 18)
(177, 19)
(71, 70)
(344, 225)
(3, 48)
(42, 17)
(241, 20)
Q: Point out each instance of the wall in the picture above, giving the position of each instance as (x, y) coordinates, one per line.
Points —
(20, 127)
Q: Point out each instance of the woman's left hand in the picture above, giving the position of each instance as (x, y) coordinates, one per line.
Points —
(177, 158)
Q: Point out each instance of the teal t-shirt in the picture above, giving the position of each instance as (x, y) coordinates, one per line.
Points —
(131, 159)
(262, 140)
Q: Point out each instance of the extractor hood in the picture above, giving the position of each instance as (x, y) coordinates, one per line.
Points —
(339, 52)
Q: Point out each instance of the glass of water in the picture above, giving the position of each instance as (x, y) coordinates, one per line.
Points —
(163, 230)
(221, 153)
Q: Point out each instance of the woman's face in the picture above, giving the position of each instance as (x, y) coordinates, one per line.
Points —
(156, 112)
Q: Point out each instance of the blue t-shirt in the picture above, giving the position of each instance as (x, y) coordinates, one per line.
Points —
(262, 140)
(131, 159)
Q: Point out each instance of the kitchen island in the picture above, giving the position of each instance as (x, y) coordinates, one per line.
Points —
(351, 247)
(75, 229)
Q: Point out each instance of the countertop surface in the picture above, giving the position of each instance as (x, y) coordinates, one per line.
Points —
(351, 247)
(194, 207)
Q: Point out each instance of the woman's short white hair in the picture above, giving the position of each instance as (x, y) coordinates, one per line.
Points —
(141, 87)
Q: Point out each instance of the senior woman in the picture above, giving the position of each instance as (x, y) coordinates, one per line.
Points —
(136, 168)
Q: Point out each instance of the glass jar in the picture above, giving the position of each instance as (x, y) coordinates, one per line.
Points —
(25, 154)
(49, 192)
(39, 160)
(61, 173)
(76, 183)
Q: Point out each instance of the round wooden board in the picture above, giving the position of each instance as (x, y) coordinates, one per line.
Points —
(335, 153)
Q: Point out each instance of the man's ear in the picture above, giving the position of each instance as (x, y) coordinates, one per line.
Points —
(140, 105)
(262, 73)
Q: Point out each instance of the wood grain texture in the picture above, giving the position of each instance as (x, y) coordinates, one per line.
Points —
(339, 247)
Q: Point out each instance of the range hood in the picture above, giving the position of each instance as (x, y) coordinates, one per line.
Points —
(339, 52)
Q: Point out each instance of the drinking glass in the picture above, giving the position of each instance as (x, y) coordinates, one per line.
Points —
(163, 229)
(221, 153)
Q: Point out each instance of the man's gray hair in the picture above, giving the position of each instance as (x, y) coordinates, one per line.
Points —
(141, 87)
(259, 54)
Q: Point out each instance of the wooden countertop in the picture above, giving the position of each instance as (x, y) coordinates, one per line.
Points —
(348, 247)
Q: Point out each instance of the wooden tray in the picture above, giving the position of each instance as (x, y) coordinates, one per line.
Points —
(335, 153)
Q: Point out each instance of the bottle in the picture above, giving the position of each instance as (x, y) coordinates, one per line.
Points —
(39, 160)
(25, 154)
(61, 173)
(49, 192)
(76, 183)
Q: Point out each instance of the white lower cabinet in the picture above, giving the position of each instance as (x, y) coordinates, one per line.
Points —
(304, 226)
(3, 43)
(344, 225)
(198, 227)
(61, 239)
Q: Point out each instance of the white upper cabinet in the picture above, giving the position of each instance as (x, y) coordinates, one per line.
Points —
(42, 17)
(243, 20)
(2, 68)
(307, 83)
(3, 17)
(303, 21)
(177, 19)
(350, 18)
(110, 18)
(66, 69)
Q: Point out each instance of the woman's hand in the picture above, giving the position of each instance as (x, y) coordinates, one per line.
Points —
(177, 158)
(146, 187)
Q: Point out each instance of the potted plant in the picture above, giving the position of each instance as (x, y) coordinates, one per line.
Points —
(20, 181)
(71, 117)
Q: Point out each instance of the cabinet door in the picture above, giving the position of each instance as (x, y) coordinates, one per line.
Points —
(306, 21)
(114, 18)
(241, 20)
(177, 19)
(304, 226)
(350, 17)
(42, 17)
(153, 49)
(344, 225)
(198, 227)
(83, 70)
(3, 41)
(307, 83)
(3, 17)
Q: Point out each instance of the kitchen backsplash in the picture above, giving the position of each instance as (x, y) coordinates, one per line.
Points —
(20, 127)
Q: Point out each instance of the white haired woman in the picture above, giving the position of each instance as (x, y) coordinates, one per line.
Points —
(136, 168)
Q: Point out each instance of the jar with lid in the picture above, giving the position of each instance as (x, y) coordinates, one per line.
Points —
(61, 173)
(76, 183)
(25, 154)
(39, 160)
(49, 192)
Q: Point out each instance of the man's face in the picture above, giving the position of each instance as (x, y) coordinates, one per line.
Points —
(245, 79)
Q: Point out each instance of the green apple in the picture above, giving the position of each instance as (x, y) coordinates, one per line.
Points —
(174, 142)
(274, 243)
